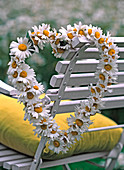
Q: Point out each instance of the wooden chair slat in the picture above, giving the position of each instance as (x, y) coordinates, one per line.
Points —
(9, 164)
(79, 42)
(83, 92)
(87, 65)
(110, 103)
(80, 79)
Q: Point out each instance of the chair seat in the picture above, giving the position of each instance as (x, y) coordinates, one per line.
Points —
(18, 134)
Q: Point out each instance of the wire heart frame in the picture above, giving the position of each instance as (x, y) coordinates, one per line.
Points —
(29, 90)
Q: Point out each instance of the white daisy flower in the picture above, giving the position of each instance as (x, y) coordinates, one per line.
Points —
(22, 49)
(95, 90)
(54, 131)
(89, 108)
(26, 74)
(68, 33)
(96, 102)
(108, 65)
(112, 50)
(74, 133)
(29, 97)
(81, 29)
(96, 33)
(57, 145)
(65, 138)
(44, 30)
(43, 128)
(101, 75)
(80, 122)
(37, 88)
(38, 110)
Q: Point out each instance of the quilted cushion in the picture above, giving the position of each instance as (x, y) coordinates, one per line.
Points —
(18, 134)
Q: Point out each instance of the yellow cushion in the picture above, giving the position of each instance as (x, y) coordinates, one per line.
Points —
(18, 134)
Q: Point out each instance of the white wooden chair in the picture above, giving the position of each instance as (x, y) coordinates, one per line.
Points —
(75, 72)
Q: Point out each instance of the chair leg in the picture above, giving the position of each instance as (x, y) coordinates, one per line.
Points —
(114, 153)
(110, 164)
(66, 167)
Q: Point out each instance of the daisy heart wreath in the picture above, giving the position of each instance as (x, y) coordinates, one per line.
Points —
(29, 90)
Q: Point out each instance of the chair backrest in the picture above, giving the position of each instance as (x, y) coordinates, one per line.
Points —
(76, 72)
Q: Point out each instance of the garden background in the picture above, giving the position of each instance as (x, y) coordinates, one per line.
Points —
(18, 16)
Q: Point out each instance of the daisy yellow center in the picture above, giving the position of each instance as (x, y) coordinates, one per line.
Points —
(95, 105)
(15, 74)
(14, 65)
(110, 43)
(74, 133)
(101, 40)
(52, 37)
(102, 85)
(38, 109)
(36, 87)
(30, 95)
(57, 41)
(98, 89)
(35, 41)
(70, 35)
(44, 127)
(44, 120)
(65, 133)
(23, 74)
(22, 47)
(54, 51)
(27, 89)
(106, 40)
(59, 50)
(111, 52)
(75, 29)
(81, 32)
(53, 131)
(113, 57)
(101, 76)
(79, 122)
(92, 90)
(103, 47)
(87, 109)
(97, 34)
(33, 33)
(39, 36)
(108, 67)
(45, 32)
(109, 84)
(106, 60)
(95, 98)
(89, 31)
(56, 143)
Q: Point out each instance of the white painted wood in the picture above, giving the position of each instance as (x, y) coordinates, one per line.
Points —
(2, 147)
(80, 79)
(79, 41)
(5, 88)
(105, 128)
(7, 152)
(22, 166)
(69, 53)
(83, 92)
(110, 103)
(9, 158)
(87, 65)
(72, 159)
(9, 164)
(94, 53)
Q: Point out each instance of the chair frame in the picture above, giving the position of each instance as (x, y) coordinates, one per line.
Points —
(80, 47)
